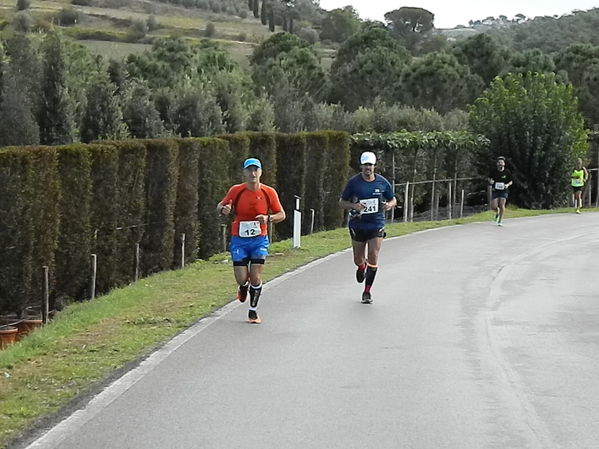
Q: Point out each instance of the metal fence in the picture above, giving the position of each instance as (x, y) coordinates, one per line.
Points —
(457, 190)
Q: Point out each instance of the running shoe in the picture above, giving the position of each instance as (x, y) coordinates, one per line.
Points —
(577, 211)
(253, 317)
(242, 293)
(499, 223)
(360, 274)
(366, 298)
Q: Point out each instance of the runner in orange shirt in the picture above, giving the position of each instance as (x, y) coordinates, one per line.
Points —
(253, 205)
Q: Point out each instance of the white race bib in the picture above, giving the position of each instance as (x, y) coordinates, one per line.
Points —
(371, 204)
(577, 183)
(249, 228)
(499, 186)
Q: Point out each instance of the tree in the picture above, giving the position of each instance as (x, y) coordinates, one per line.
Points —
(17, 122)
(25, 66)
(534, 61)
(438, 81)
(23, 5)
(367, 65)
(287, 57)
(140, 113)
(581, 63)
(56, 111)
(410, 24)
(484, 55)
(340, 24)
(534, 122)
(22, 21)
(198, 114)
(103, 116)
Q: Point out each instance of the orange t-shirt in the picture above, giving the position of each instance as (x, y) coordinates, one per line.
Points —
(248, 203)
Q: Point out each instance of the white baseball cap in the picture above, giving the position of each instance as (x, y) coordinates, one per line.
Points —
(368, 158)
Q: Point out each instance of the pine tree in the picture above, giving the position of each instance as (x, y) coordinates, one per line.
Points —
(56, 110)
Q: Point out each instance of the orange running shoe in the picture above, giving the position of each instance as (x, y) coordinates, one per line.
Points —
(253, 317)
(242, 293)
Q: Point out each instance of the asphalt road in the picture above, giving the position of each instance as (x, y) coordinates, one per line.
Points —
(478, 337)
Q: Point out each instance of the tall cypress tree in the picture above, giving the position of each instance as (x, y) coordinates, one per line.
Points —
(256, 9)
(140, 113)
(56, 110)
(103, 116)
(264, 13)
(25, 67)
(17, 122)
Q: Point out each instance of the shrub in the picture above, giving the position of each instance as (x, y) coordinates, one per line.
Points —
(210, 30)
(23, 5)
(22, 21)
(68, 17)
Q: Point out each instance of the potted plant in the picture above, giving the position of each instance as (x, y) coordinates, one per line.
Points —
(30, 322)
(8, 334)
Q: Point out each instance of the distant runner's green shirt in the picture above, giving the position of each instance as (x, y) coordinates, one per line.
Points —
(578, 178)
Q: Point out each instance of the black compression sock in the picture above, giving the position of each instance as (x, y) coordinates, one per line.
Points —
(255, 295)
(370, 275)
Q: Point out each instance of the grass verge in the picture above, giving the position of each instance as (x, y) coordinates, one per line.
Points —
(89, 341)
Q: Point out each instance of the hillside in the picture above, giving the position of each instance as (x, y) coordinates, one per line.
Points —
(116, 28)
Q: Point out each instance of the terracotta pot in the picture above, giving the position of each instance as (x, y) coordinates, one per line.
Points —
(26, 326)
(8, 335)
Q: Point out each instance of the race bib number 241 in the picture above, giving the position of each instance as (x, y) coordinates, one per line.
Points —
(371, 204)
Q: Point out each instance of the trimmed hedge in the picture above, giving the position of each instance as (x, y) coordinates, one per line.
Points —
(214, 163)
(186, 204)
(157, 249)
(239, 146)
(264, 147)
(43, 200)
(15, 230)
(75, 235)
(317, 146)
(291, 176)
(131, 200)
(61, 204)
(104, 212)
(338, 157)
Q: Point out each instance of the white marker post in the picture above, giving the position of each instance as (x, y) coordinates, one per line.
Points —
(297, 223)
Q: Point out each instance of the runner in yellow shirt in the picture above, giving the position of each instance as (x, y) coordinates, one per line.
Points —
(579, 178)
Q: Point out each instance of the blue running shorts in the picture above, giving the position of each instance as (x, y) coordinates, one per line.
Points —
(249, 247)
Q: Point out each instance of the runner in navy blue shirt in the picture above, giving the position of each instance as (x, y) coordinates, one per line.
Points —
(367, 196)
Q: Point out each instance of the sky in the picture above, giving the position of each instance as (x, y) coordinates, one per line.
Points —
(448, 13)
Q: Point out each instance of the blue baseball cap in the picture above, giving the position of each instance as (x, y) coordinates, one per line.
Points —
(252, 161)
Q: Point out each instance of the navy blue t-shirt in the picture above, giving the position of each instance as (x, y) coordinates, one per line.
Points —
(371, 194)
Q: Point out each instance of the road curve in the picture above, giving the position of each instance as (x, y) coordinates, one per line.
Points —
(479, 337)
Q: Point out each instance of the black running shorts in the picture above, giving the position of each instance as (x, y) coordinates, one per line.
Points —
(363, 235)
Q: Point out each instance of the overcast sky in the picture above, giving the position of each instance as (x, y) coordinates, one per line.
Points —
(451, 13)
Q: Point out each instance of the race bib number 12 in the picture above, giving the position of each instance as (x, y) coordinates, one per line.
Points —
(249, 228)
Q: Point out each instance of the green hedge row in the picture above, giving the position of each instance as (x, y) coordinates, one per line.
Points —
(59, 205)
